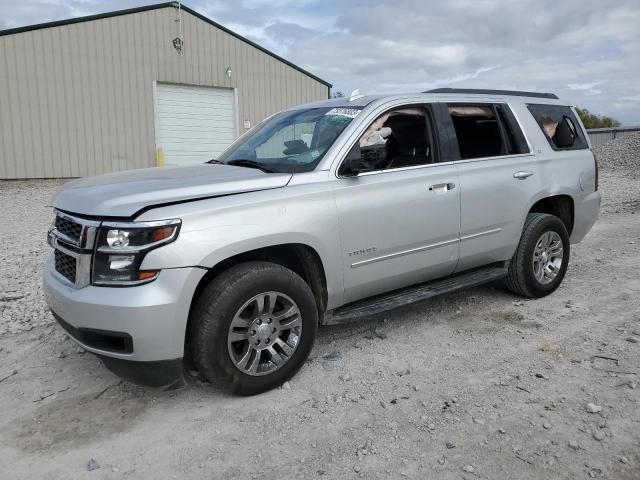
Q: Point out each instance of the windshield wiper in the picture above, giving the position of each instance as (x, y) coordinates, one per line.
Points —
(242, 162)
(213, 160)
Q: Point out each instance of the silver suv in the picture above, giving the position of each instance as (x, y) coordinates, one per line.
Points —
(323, 213)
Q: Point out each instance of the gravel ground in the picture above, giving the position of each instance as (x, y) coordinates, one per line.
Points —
(26, 215)
(478, 384)
(619, 162)
(620, 155)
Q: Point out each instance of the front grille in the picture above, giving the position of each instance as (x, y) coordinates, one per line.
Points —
(69, 228)
(65, 265)
(73, 240)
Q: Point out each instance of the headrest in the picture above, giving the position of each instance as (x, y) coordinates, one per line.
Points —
(564, 136)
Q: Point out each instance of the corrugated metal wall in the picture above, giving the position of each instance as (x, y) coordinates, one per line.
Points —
(77, 99)
(598, 136)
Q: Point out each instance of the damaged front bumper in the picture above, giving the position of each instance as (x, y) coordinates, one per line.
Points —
(138, 332)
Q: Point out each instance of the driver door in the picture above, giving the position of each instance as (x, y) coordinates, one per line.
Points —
(399, 225)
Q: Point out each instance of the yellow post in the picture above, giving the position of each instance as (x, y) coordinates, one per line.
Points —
(159, 157)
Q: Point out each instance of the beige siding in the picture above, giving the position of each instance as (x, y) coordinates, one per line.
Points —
(77, 99)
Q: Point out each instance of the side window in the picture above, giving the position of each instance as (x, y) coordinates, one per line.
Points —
(559, 125)
(486, 130)
(400, 138)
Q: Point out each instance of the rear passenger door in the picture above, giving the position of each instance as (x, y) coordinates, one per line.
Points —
(499, 175)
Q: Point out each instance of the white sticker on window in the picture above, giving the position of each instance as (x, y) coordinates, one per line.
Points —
(314, 153)
(344, 111)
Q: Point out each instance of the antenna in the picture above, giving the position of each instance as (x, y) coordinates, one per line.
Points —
(355, 95)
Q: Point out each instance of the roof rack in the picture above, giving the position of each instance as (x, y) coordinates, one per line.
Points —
(483, 91)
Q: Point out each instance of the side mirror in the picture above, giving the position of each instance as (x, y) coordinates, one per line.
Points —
(362, 159)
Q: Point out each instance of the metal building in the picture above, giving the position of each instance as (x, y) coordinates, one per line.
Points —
(135, 88)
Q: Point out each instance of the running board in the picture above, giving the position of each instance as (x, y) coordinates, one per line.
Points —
(408, 296)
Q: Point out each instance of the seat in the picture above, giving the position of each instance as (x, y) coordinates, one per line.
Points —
(407, 146)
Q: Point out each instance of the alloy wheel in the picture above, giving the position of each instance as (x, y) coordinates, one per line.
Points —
(547, 257)
(264, 333)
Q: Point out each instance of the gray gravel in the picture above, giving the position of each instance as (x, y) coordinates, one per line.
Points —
(621, 155)
(25, 216)
(620, 194)
(619, 162)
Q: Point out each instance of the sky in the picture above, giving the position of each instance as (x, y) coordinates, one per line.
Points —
(586, 51)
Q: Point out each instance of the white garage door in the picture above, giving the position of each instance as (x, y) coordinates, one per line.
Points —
(193, 124)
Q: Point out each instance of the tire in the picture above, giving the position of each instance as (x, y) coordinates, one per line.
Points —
(521, 278)
(245, 306)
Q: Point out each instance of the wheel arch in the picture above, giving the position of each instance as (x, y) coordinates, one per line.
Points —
(561, 206)
(301, 258)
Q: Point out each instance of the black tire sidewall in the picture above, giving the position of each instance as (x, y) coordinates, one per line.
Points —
(545, 224)
(219, 309)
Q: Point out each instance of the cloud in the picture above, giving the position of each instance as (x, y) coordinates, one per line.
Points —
(582, 86)
(586, 51)
(586, 88)
(630, 98)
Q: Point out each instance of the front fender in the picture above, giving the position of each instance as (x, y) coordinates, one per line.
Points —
(217, 229)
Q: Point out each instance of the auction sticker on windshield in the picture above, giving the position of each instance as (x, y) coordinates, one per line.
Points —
(344, 111)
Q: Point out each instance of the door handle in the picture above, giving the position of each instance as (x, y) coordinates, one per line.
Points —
(442, 187)
(522, 175)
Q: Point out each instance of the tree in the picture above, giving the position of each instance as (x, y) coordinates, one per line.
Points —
(591, 120)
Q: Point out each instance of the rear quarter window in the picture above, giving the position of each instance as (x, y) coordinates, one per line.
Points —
(559, 126)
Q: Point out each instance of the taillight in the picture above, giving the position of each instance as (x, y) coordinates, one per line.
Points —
(595, 162)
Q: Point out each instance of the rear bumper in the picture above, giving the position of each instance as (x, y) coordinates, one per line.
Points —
(146, 323)
(585, 216)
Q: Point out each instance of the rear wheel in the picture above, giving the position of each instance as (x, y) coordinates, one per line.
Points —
(253, 327)
(540, 262)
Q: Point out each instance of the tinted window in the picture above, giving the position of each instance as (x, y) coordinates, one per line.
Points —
(486, 130)
(559, 125)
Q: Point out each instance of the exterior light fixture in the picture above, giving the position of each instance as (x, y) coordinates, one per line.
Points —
(228, 71)
(178, 44)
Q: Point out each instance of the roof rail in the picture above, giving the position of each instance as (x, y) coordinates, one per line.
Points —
(483, 91)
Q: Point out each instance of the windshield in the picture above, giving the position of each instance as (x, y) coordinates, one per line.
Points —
(289, 142)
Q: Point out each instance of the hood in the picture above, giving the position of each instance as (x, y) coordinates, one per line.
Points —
(122, 194)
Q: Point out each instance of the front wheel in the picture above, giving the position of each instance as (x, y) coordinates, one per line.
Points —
(540, 262)
(253, 327)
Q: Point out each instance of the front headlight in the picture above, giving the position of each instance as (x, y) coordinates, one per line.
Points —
(121, 247)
